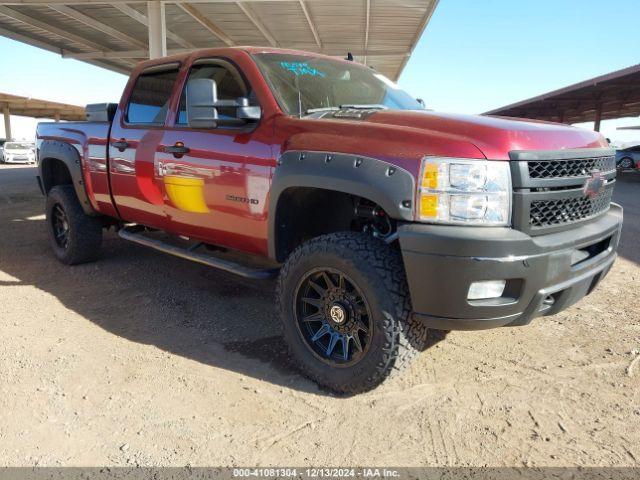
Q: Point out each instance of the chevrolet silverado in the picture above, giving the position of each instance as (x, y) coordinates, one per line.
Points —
(379, 219)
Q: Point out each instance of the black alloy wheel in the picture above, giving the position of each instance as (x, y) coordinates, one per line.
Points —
(333, 317)
(60, 225)
(626, 163)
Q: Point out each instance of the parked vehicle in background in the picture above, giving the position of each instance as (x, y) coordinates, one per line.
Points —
(2, 142)
(628, 157)
(380, 219)
(19, 152)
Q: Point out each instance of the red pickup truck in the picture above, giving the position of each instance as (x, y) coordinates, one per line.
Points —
(379, 218)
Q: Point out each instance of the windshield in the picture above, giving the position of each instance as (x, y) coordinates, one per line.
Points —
(320, 83)
(18, 146)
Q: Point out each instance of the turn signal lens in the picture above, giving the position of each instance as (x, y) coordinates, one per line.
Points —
(429, 205)
(430, 176)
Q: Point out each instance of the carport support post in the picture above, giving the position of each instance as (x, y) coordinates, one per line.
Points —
(157, 29)
(596, 123)
(7, 122)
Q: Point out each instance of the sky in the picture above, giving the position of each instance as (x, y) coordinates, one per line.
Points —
(474, 56)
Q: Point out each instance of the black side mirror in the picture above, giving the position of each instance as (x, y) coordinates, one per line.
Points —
(203, 104)
(421, 102)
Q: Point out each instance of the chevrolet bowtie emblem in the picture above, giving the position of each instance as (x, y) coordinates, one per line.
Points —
(594, 184)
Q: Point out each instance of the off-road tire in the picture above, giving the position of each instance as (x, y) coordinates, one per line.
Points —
(378, 271)
(85, 232)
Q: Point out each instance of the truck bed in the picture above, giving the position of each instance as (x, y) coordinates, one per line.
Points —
(90, 141)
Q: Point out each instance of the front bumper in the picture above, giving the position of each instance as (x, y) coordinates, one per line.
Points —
(545, 274)
(19, 159)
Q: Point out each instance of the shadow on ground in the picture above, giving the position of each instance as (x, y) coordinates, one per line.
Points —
(180, 307)
(627, 194)
(148, 297)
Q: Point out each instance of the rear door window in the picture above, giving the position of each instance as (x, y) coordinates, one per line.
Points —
(150, 97)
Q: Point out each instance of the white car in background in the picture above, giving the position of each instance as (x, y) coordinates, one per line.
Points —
(19, 152)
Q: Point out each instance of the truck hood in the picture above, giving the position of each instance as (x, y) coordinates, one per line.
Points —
(495, 137)
(16, 151)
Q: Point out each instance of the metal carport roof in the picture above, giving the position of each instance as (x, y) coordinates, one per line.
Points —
(116, 34)
(614, 95)
(33, 107)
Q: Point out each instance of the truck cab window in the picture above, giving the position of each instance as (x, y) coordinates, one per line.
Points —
(230, 87)
(150, 97)
(303, 82)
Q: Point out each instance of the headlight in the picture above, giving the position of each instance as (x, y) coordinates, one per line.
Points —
(461, 191)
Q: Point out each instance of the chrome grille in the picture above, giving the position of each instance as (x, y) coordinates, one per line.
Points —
(549, 213)
(578, 167)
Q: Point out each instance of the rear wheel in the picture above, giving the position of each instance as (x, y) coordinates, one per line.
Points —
(626, 163)
(346, 312)
(75, 237)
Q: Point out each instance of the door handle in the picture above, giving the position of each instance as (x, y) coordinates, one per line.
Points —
(121, 144)
(177, 150)
(162, 169)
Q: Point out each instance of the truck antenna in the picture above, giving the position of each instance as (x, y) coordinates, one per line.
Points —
(297, 82)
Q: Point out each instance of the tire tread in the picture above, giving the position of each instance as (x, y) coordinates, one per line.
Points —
(405, 337)
(86, 231)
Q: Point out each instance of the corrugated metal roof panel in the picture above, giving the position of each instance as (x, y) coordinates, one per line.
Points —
(384, 32)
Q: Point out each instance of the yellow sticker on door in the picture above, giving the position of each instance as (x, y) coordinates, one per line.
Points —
(186, 193)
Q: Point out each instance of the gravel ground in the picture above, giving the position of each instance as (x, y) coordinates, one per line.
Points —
(144, 359)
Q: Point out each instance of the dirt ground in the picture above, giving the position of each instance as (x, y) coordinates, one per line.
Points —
(145, 359)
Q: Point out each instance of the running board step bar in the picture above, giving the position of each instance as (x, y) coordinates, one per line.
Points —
(133, 234)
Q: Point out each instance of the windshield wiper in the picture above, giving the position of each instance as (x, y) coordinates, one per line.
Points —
(346, 106)
(321, 109)
(356, 106)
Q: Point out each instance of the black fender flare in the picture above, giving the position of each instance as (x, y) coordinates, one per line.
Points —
(390, 186)
(67, 154)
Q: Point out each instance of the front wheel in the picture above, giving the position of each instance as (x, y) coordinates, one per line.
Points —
(75, 237)
(346, 311)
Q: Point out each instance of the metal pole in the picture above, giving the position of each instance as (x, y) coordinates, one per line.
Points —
(7, 122)
(596, 123)
(157, 29)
